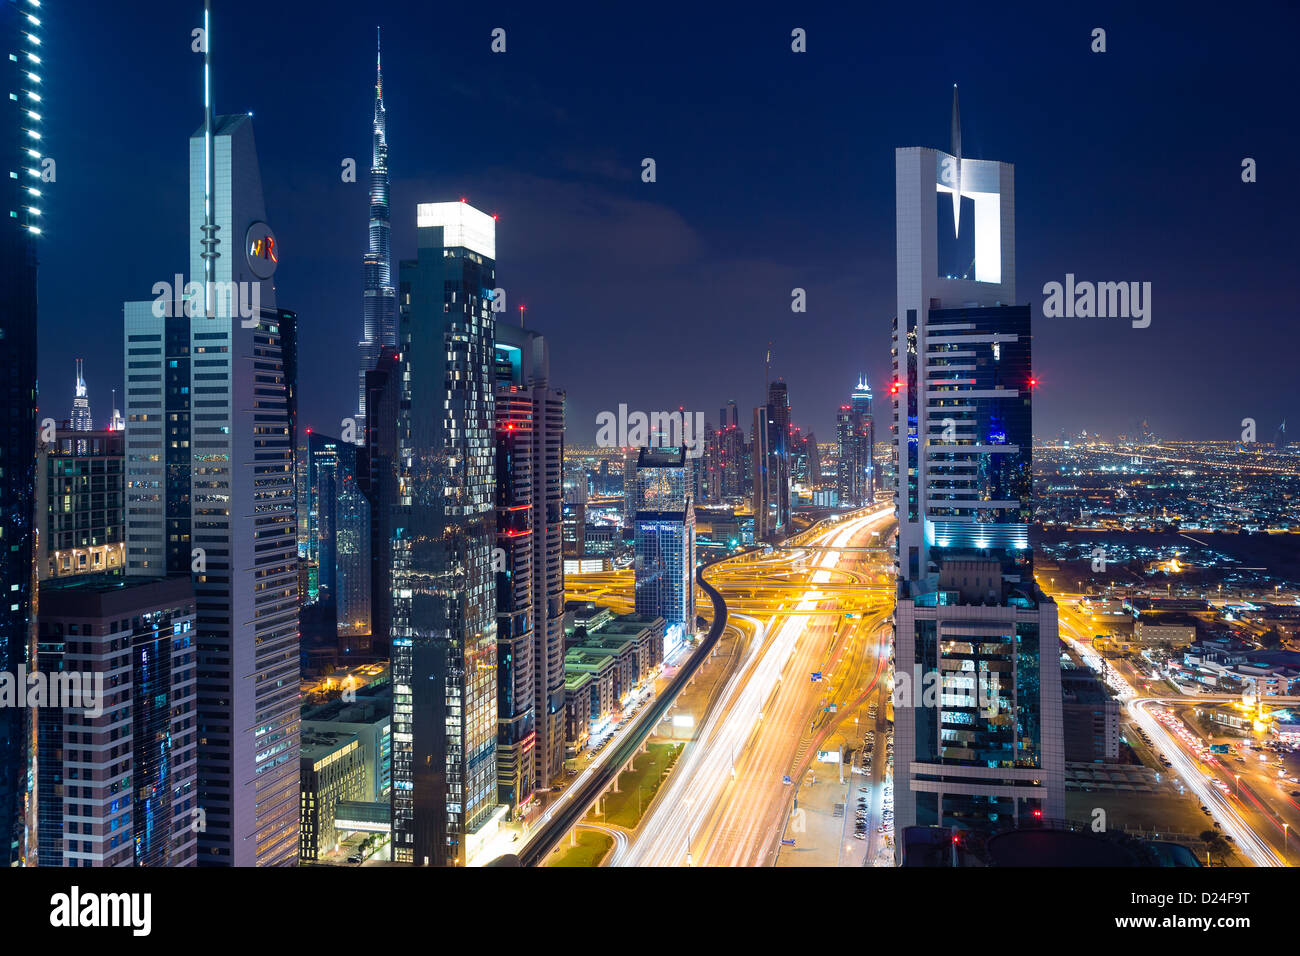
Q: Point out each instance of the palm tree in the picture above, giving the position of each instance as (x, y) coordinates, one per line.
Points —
(1214, 843)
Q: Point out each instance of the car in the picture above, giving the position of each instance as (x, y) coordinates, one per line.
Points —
(1295, 793)
(354, 859)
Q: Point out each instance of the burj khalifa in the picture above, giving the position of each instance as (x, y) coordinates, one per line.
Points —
(379, 319)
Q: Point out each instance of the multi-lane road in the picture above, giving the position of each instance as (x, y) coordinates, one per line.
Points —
(1204, 776)
(727, 799)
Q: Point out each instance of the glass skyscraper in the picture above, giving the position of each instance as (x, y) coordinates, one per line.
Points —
(21, 131)
(210, 491)
(856, 433)
(530, 588)
(444, 627)
(665, 541)
(977, 694)
(379, 320)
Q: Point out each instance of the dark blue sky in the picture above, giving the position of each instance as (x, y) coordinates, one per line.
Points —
(775, 170)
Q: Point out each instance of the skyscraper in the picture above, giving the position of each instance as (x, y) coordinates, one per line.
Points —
(20, 29)
(985, 751)
(379, 321)
(530, 457)
(211, 418)
(322, 453)
(516, 519)
(778, 404)
(117, 780)
(665, 542)
(81, 420)
(352, 561)
(771, 464)
(731, 459)
(444, 629)
(856, 433)
(378, 481)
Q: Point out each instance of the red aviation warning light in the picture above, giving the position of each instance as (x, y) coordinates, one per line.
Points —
(895, 387)
(1033, 382)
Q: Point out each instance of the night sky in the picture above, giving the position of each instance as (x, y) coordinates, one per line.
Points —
(775, 171)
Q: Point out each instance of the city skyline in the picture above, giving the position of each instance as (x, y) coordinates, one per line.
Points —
(414, 541)
(685, 256)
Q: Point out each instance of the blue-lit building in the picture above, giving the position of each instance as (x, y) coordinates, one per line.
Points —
(118, 781)
(444, 627)
(379, 315)
(977, 683)
(352, 585)
(664, 529)
(856, 436)
(21, 130)
(530, 569)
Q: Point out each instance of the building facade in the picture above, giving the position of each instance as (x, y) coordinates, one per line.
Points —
(856, 434)
(523, 374)
(118, 767)
(443, 625)
(211, 369)
(665, 542)
(978, 719)
(22, 131)
(80, 490)
(379, 313)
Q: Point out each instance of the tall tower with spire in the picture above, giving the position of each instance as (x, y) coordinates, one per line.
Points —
(990, 755)
(81, 420)
(379, 323)
(209, 441)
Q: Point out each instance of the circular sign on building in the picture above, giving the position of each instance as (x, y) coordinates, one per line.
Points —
(261, 250)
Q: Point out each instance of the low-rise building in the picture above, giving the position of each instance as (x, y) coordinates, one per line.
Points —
(1090, 718)
(370, 719)
(1172, 635)
(333, 770)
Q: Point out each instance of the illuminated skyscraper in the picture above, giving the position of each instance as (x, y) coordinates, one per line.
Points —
(771, 464)
(530, 528)
(985, 751)
(118, 788)
(665, 542)
(81, 419)
(379, 320)
(856, 436)
(444, 628)
(211, 419)
(21, 132)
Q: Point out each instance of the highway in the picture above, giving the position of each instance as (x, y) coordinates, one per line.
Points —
(1075, 629)
(725, 802)
(569, 810)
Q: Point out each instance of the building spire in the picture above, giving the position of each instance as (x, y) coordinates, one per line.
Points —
(379, 65)
(956, 152)
(210, 227)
